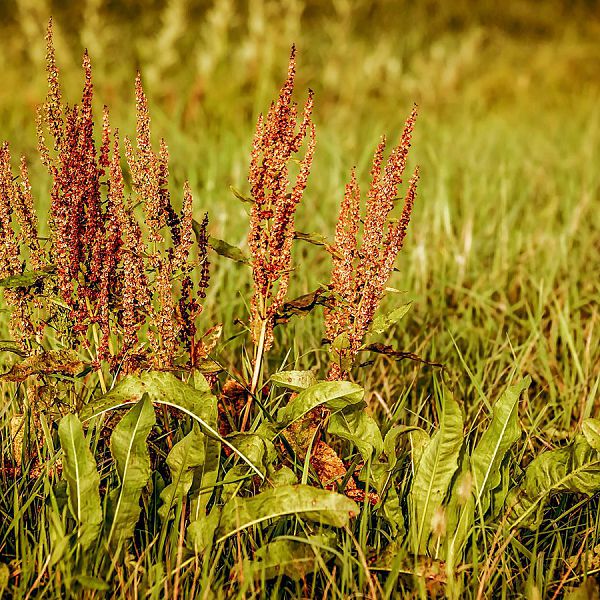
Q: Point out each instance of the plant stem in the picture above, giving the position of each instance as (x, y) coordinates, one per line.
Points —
(258, 360)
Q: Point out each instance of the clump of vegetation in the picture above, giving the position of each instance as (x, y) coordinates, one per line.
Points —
(151, 469)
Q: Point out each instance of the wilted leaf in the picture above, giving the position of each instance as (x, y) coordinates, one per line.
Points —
(53, 362)
(301, 306)
(83, 480)
(382, 323)
(295, 558)
(434, 472)
(132, 459)
(334, 395)
(398, 354)
(304, 501)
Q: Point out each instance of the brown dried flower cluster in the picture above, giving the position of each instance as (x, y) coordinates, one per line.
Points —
(279, 136)
(360, 273)
(114, 284)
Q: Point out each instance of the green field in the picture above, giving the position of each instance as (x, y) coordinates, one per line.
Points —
(501, 264)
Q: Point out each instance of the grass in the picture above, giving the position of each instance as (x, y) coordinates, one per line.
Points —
(502, 260)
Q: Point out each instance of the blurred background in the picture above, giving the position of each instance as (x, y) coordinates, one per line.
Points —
(504, 241)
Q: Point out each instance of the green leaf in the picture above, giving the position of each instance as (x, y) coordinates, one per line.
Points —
(572, 469)
(4, 577)
(26, 280)
(294, 380)
(165, 388)
(312, 238)
(418, 439)
(339, 352)
(282, 476)
(591, 430)
(307, 502)
(225, 249)
(201, 532)
(293, 557)
(8, 346)
(258, 448)
(205, 477)
(92, 583)
(185, 456)
(382, 323)
(83, 480)
(335, 395)
(483, 469)
(359, 428)
(240, 196)
(132, 459)
(434, 472)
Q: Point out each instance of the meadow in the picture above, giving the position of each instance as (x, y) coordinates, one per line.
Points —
(461, 431)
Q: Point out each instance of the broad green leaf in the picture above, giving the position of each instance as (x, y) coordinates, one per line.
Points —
(132, 459)
(205, 477)
(307, 502)
(483, 469)
(294, 380)
(591, 430)
(282, 476)
(391, 507)
(57, 533)
(201, 532)
(259, 448)
(165, 388)
(185, 456)
(572, 469)
(418, 440)
(335, 395)
(359, 428)
(83, 480)
(382, 323)
(434, 472)
(293, 557)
